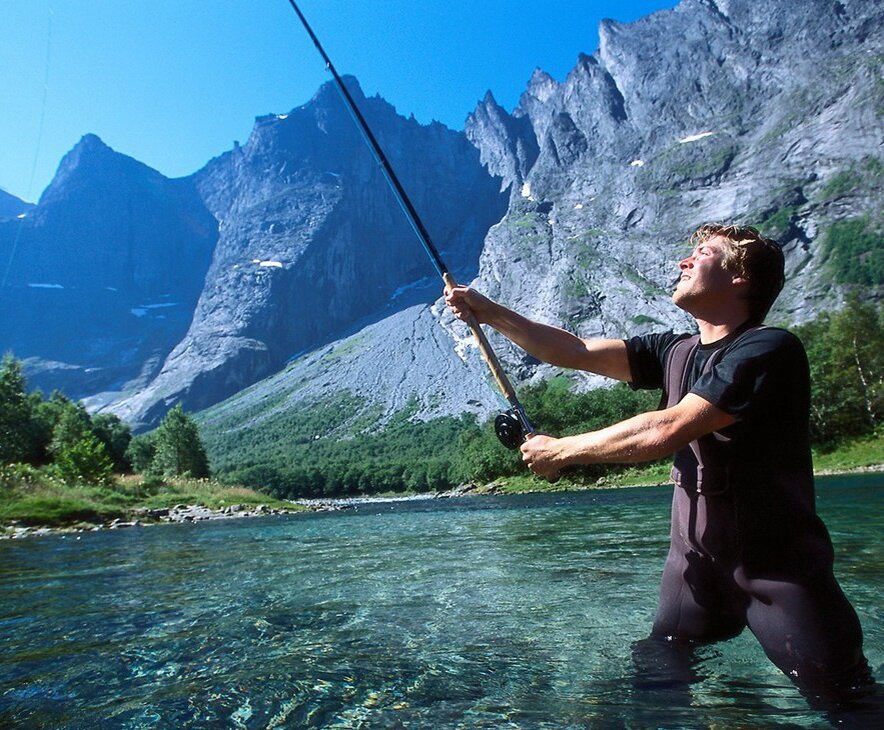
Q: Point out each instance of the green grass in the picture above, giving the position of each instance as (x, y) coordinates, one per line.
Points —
(643, 476)
(858, 454)
(55, 511)
(30, 497)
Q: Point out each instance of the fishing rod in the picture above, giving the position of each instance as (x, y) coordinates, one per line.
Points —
(512, 427)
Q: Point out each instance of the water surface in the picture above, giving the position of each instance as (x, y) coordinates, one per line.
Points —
(480, 612)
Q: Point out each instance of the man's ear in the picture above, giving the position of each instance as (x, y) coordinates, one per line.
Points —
(739, 281)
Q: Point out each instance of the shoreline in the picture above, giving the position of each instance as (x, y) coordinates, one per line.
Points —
(145, 517)
(193, 513)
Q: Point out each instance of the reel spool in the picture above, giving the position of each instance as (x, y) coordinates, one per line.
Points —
(509, 430)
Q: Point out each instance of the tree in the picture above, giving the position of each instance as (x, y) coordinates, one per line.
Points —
(179, 450)
(15, 413)
(140, 452)
(847, 371)
(116, 436)
(77, 453)
(46, 414)
(72, 425)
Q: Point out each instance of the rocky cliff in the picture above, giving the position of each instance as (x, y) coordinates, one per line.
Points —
(724, 111)
(312, 244)
(573, 207)
(759, 113)
(101, 277)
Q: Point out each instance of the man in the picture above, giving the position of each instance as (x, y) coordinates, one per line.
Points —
(746, 546)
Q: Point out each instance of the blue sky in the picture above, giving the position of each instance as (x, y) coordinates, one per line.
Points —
(174, 82)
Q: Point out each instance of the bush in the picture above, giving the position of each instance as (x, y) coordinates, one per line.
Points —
(855, 251)
(84, 461)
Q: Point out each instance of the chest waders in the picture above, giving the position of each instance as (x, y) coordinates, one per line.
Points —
(807, 628)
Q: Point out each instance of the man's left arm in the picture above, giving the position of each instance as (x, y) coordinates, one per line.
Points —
(645, 437)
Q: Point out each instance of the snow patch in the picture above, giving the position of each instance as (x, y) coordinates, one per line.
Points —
(637, 163)
(267, 264)
(526, 190)
(695, 137)
(463, 345)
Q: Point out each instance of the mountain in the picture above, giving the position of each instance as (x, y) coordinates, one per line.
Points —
(134, 292)
(103, 274)
(735, 111)
(295, 277)
(11, 206)
(312, 245)
(766, 114)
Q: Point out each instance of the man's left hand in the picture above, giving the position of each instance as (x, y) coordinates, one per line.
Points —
(542, 455)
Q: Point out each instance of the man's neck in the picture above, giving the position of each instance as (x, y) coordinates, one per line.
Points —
(713, 330)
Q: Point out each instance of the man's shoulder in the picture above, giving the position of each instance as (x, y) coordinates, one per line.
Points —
(773, 337)
(766, 343)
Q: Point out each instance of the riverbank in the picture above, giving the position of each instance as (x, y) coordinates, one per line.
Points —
(34, 503)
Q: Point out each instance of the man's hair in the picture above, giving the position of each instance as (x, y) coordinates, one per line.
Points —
(750, 255)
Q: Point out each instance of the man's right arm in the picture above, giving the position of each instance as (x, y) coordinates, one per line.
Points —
(545, 342)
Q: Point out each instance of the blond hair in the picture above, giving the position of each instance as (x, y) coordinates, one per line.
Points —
(753, 257)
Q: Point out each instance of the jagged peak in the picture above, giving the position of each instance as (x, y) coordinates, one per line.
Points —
(91, 159)
(541, 87)
(91, 141)
(540, 78)
(487, 107)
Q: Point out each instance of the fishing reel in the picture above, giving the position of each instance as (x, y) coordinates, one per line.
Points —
(512, 427)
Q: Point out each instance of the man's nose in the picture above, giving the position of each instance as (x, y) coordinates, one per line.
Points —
(686, 263)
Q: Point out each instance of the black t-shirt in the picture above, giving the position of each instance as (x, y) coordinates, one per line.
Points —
(762, 379)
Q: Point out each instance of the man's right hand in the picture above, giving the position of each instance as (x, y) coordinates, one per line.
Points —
(465, 302)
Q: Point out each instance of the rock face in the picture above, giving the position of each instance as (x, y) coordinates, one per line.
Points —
(572, 208)
(712, 111)
(103, 275)
(312, 245)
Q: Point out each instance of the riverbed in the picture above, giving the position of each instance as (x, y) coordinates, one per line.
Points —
(516, 611)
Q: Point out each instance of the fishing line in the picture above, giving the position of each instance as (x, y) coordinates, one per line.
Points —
(40, 126)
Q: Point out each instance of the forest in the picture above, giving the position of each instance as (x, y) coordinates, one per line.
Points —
(304, 454)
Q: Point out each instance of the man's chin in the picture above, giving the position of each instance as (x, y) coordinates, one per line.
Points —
(680, 299)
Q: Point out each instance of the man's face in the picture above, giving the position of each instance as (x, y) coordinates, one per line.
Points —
(703, 279)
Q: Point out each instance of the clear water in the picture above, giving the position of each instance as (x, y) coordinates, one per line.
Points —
(485, 612)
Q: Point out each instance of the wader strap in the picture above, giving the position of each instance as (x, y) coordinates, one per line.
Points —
(711, 462)
(680, 355)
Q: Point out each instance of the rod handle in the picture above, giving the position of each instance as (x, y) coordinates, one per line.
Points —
(485, 350)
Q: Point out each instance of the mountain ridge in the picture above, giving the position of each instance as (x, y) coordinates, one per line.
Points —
(572, 207)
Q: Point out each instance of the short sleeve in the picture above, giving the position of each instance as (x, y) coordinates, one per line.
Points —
(646, 354)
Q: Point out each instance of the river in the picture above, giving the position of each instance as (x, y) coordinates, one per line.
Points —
(483, 612)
